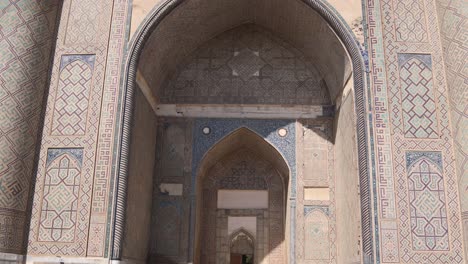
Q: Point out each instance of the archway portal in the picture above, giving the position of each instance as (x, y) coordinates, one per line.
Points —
(242, 248)
(274, 64)
(242, 185)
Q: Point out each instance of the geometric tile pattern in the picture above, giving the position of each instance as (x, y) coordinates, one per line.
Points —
(315, 146)
(277, 227)
(84, 24)
(103, 175)
(61, 192)
(14, 183)
(167, 228)
(267, 129)
(26, 35)
(231, 165)
(407, 231)
(390, 245)
(11, 232)
(221, 128)
(453, 21)
(410, 21)
(390, 151)
(195, 13)
(74, 62)
(242, 177)
(419, 106)
(72, 99)
(316, 152)
(316, 237)
(427, 201)
(171, 213)
(170, 219)
(389, 156)
(248, 65)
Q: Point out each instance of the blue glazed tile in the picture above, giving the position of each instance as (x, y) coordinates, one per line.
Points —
(67, 59)
(220, 128)
(425, 58)
(413, 156)
(52, 154)
(310, 208)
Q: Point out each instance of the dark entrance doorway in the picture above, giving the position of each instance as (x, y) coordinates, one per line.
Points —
(241, 259)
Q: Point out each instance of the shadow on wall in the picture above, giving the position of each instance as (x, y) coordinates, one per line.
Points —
(233, 156)
(255, 176)
(199, 64)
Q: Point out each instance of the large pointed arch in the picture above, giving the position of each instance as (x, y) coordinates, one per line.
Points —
(241, 161)
(130, 71)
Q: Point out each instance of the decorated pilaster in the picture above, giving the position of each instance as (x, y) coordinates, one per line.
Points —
(70, 213)
(418, 205)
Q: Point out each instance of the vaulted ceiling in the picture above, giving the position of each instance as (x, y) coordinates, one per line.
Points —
(195, 22)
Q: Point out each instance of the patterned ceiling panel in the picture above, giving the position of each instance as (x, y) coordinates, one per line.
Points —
(196, 21)
(246, 65)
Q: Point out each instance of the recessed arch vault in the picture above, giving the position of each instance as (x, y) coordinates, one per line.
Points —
(316, 9)
(194, 22)
(243, 138)
(241, 162)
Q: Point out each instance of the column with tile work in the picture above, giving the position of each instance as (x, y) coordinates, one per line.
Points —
(416, 181)
(71, 200)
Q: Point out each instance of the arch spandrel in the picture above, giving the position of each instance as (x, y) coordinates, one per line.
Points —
(350, 10)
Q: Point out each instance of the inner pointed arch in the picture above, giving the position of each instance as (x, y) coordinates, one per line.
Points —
(243, 138)
(241, 176)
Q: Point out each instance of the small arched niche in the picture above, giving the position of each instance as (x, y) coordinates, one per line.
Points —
(241, 247)
(241, 185)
